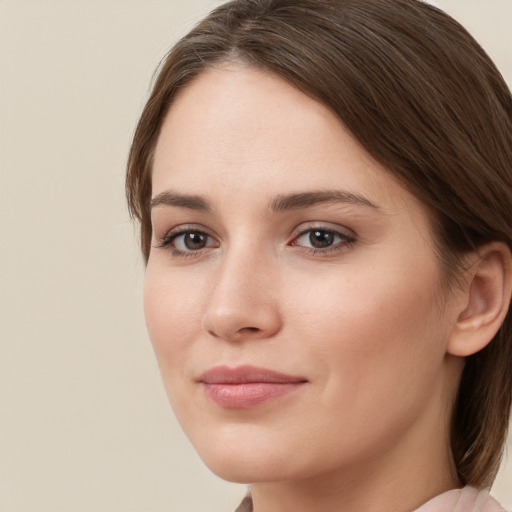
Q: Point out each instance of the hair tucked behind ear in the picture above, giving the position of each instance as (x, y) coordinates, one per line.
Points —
(425, 101)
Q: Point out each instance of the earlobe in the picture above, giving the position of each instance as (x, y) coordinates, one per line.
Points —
(487, 293)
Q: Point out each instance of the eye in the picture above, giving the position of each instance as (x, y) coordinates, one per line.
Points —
(318, 239)
(190, 241)
(187, 241)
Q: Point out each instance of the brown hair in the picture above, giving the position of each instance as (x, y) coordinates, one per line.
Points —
(424, 99)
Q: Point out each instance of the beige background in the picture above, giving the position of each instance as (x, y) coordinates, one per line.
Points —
(84, 423)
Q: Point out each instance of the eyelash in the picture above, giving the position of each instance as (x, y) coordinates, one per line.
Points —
(345, 241)
(169, 238)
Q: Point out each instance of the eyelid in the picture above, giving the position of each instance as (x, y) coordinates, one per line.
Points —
(346, 238)
(165, 240)
(323, 226)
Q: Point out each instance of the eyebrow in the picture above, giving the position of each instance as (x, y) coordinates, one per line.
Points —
(305, 199)
(170, 198)
(280, 203)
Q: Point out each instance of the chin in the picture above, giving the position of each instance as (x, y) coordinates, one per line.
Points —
(253, 458)
(236, 463)
(237, 473)
(245, 458)
(246, 471)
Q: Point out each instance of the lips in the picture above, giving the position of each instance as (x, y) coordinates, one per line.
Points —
(245, 387)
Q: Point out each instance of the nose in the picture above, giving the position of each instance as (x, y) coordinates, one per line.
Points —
(243, 300)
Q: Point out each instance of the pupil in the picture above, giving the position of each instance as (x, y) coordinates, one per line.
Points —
(194, 241)
(320, 239)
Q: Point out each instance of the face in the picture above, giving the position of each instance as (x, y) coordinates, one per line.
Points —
(292, 293)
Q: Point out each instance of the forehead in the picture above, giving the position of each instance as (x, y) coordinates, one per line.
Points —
(236, 107)
(241, 130)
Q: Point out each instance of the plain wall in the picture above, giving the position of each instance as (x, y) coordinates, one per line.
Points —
(84, 421)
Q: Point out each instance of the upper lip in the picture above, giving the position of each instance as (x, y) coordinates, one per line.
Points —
(246, 374)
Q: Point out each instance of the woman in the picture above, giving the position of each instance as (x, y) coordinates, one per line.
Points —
(324, 192)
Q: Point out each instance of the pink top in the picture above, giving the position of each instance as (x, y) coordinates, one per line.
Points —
(468, 499)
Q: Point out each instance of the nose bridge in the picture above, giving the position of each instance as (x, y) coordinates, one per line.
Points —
(242, 300)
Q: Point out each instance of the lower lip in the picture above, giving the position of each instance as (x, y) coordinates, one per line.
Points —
(249, 394)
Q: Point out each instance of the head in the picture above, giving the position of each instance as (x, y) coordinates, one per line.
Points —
(424, 102)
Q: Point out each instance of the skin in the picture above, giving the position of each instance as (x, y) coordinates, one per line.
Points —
(365, 321)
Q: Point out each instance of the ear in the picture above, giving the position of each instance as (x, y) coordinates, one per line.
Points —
(485, 300)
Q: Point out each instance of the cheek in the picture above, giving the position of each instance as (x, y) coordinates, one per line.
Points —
(172, 308)
(375, 351)
(372, 328)
(173, 317)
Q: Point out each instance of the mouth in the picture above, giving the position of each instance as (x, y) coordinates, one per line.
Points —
(245, 387)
